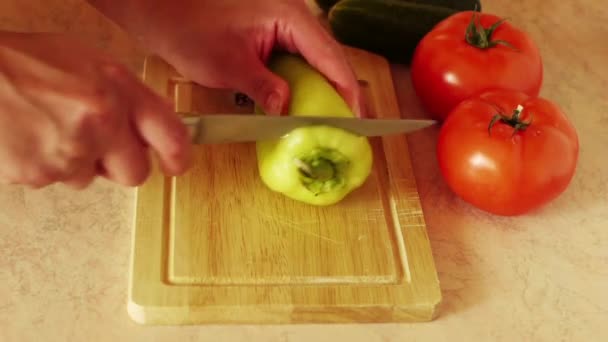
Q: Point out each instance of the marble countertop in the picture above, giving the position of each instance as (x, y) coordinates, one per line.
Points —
(540, 277)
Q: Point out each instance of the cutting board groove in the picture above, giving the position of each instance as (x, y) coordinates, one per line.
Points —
(216, 246)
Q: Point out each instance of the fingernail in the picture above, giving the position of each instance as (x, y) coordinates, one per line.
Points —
(274, 103)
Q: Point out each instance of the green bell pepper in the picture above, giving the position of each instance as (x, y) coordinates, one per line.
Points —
(318, 165)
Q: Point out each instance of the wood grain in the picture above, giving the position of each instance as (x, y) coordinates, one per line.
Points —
(216, 245)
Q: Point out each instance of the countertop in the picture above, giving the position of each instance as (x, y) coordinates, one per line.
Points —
(539, 277)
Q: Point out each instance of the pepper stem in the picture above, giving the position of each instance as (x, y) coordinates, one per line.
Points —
(513, 121)
(322, 170)
(317, 169)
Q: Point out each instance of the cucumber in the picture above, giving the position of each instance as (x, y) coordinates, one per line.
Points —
(325, 5)
(390, 28)
(459, 5)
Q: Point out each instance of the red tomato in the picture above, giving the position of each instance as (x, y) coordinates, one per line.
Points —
(504, 170)
(447, 69)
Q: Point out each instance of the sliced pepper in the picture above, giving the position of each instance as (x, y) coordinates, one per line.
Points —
(318, 165)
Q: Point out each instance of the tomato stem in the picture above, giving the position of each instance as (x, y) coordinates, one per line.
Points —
(481, 37)
(513, 121)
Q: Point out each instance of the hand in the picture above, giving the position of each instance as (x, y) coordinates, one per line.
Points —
(68, 114)
(225, 44)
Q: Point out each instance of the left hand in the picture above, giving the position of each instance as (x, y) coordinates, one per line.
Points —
(225, 44)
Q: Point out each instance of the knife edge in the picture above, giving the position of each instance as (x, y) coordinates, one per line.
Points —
(213, 128)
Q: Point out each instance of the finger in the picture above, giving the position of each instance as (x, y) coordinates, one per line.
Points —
(158, 126)
(75, 153)
(85, 139)
(314, 43)
(5, 180)
(126, 162)
(161, 129)
(249, 75)
(38, 176)
(81, 178)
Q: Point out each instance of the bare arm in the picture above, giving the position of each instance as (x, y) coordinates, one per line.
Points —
(225, 44)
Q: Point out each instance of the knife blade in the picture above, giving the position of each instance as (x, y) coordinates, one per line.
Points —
(228, 128)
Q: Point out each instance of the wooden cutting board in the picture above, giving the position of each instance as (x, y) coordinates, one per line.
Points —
(216, 246)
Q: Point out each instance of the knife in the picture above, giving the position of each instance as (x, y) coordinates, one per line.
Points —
(227, 128)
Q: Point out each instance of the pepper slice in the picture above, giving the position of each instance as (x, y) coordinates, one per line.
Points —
(318, 165)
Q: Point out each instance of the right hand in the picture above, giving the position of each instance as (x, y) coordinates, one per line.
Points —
(68, 113)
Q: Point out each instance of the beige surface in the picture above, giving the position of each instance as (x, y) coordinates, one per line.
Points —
(233, 251)
(543, 277)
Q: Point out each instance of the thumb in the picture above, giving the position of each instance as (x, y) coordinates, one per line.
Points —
(268, 91)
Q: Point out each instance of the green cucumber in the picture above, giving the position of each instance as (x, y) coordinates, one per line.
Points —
(461, 5)
(390, 28)
(325, 5)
